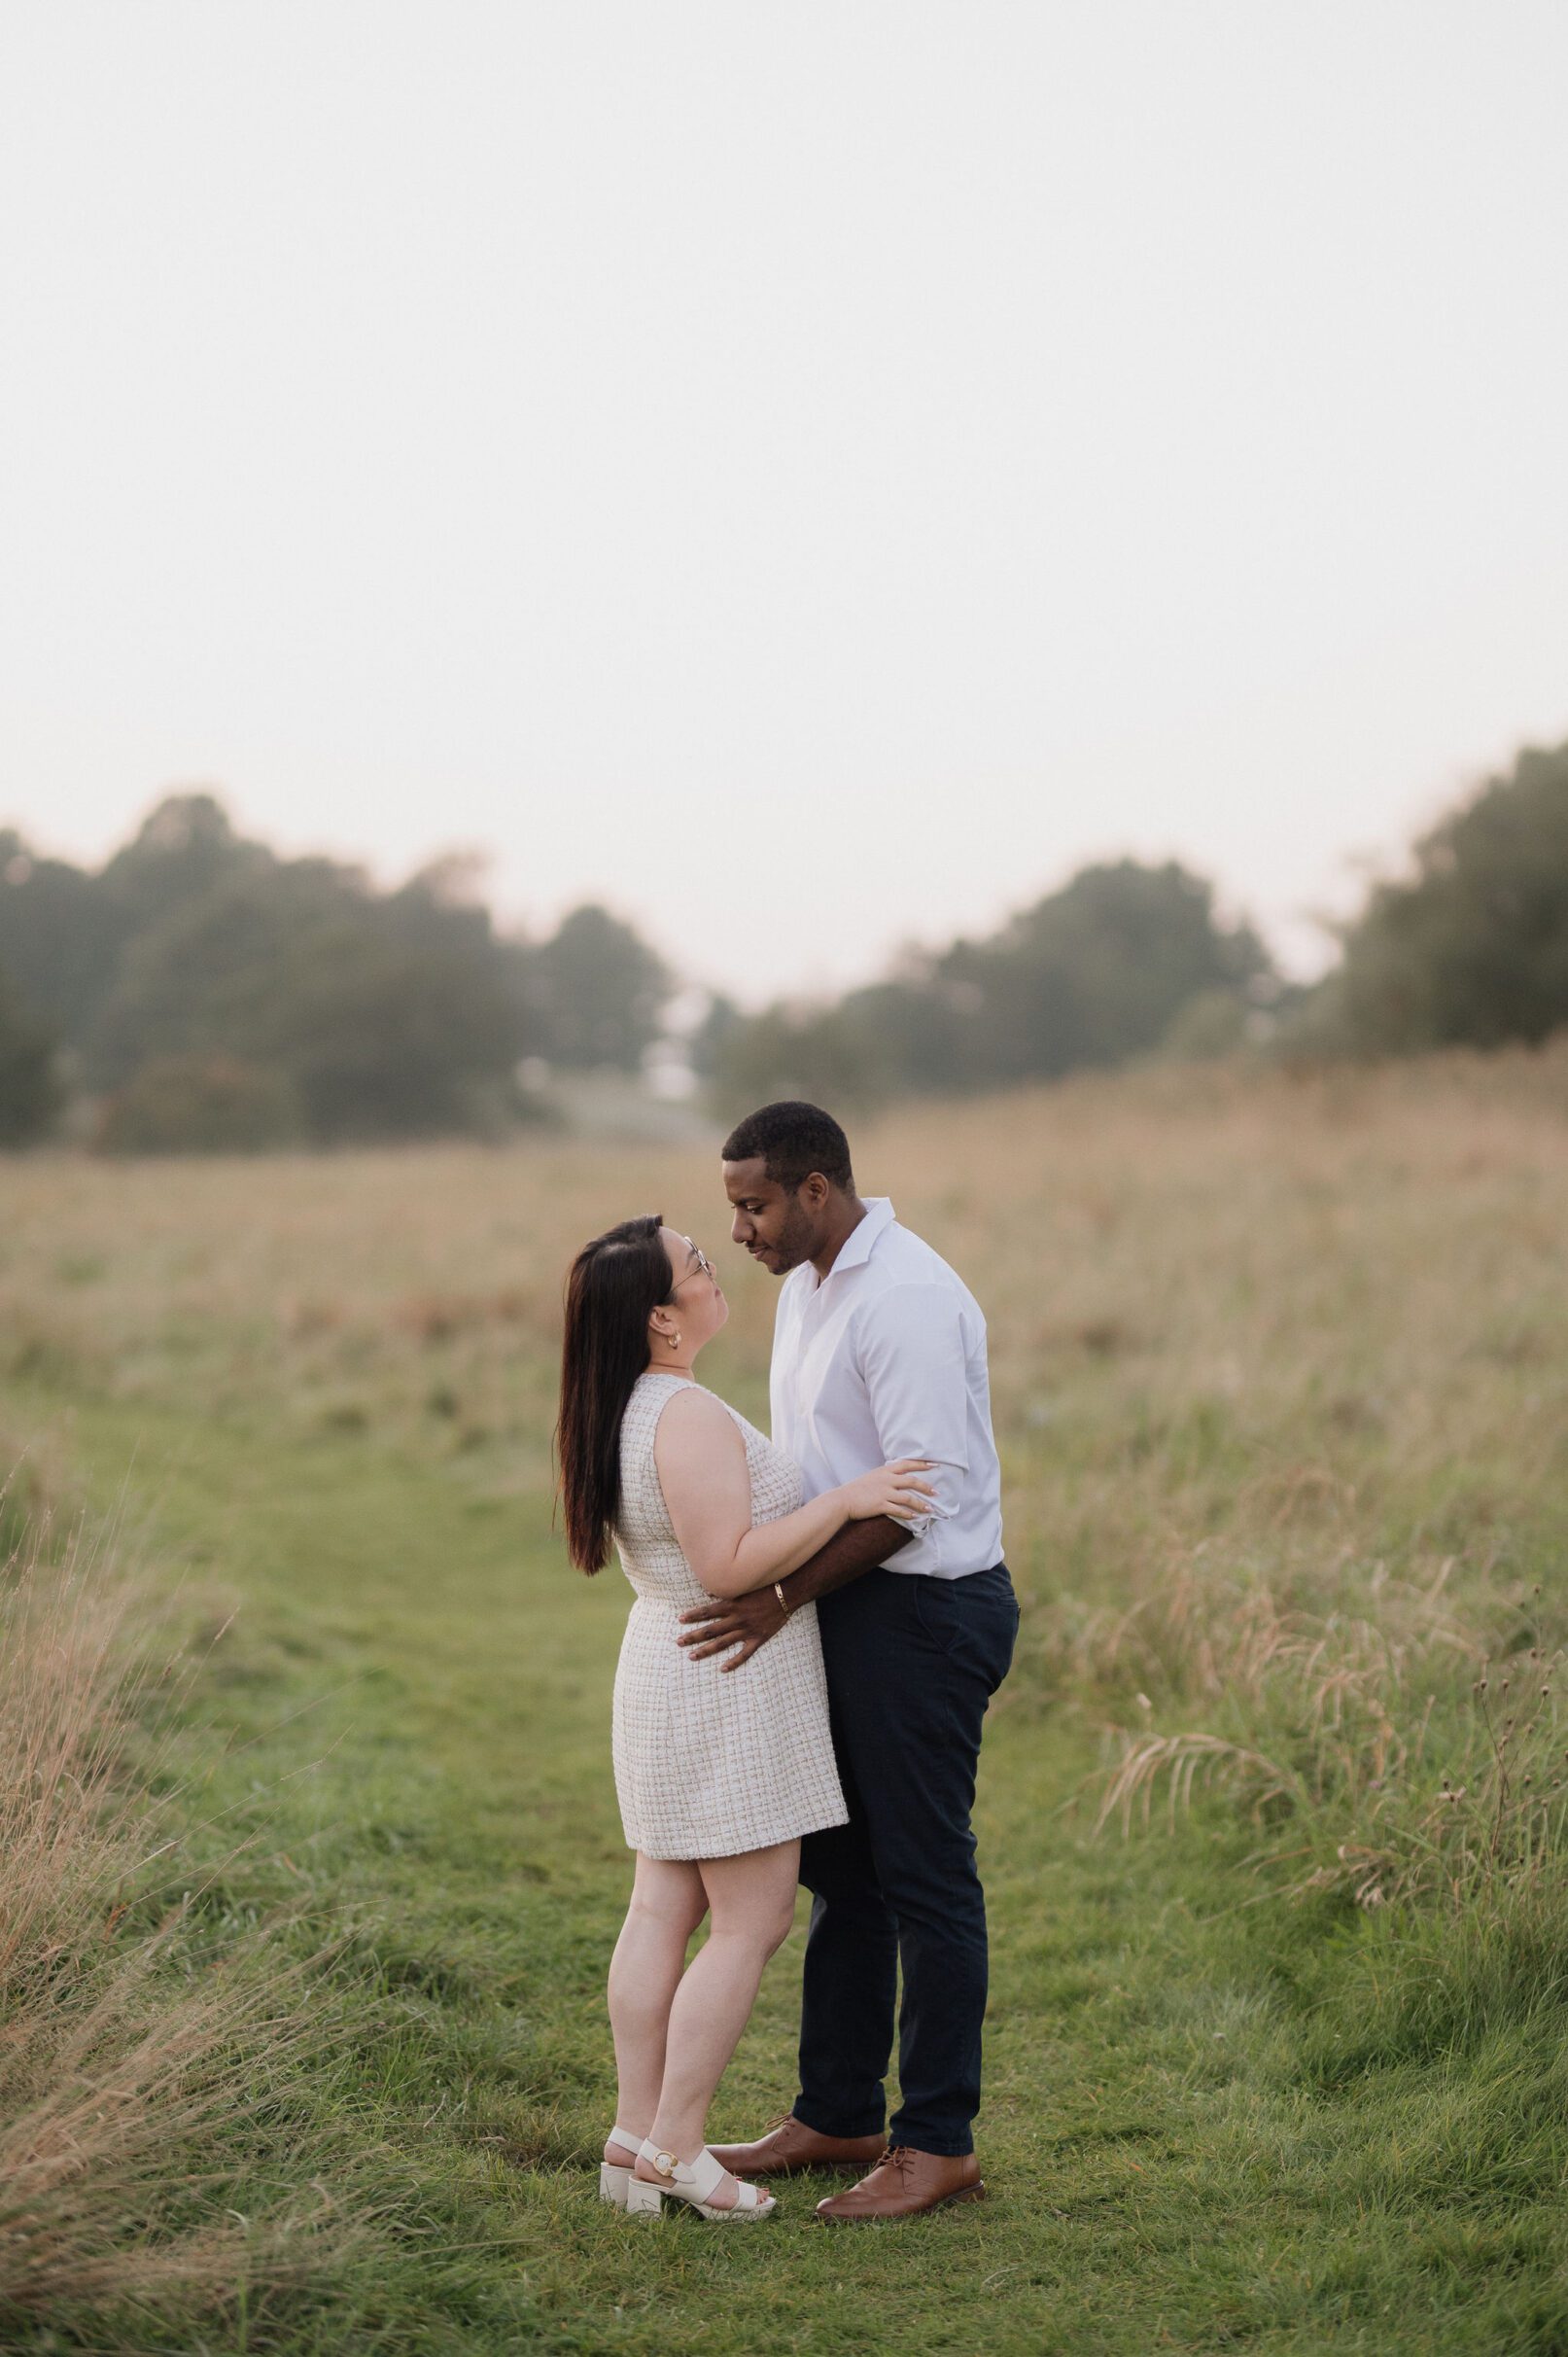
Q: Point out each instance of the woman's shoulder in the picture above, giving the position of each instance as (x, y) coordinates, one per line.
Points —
(650, 1394)
(692, 1419)
(694, 1435)
(661, 1400)
(690, 1407)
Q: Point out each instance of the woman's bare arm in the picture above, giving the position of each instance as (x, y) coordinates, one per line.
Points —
(749, 1621)
(701, 1461)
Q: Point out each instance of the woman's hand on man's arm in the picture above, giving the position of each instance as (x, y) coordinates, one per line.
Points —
(702, 1466)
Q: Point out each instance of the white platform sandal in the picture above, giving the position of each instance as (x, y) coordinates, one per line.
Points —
(614, 2181)
(694, 2185)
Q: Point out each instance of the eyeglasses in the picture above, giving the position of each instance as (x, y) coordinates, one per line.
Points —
(704, 1267)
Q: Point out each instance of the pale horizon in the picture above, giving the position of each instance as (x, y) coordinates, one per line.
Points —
(811, 483)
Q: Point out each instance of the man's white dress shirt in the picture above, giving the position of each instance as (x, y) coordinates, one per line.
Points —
(886, 1358)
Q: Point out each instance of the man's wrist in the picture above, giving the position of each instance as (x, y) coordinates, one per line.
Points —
(859, 1547)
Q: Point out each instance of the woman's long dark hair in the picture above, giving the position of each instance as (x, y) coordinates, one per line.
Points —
(612, 1287)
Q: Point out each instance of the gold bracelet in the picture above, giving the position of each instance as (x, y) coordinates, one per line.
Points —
(780, 1594)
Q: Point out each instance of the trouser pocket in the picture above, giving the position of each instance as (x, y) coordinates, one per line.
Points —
(973, 1621)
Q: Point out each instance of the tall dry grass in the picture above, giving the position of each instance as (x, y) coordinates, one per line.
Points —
(1383, 1752)
(133, 2064)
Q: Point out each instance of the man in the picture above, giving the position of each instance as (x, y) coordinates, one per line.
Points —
(879, 1352)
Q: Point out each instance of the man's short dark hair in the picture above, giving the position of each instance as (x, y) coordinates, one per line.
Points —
(792, 1140)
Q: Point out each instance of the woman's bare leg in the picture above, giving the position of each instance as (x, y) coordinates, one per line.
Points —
(751, 1900)
(668, 1903)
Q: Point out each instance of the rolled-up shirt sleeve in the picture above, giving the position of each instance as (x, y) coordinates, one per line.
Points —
(914, 1363)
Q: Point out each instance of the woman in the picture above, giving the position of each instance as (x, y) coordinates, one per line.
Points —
(719, 1773)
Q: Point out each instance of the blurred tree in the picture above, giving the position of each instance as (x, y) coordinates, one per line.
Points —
(212, 974)
(182, 848)
(598, 989)
(1090, 976)
(386, 1015)
(1473, 947)
(206, 956)
(200, 1104)
(707, 1043)
(404, 1018)
(65, 932)
(29, 1085)
(1125, 946)
(822, 1056)
(59, 936)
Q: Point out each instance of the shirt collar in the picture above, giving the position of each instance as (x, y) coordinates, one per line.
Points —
(861, 1242)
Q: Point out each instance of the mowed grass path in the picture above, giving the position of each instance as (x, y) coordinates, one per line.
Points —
(414, 1709)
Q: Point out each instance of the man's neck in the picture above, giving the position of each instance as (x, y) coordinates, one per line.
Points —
(851, 1210)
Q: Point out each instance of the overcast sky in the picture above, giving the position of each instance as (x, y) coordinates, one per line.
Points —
(810, 476)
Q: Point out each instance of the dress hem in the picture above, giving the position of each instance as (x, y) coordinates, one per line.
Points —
(733, 1850)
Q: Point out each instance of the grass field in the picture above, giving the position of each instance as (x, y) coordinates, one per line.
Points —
(1281, 1372)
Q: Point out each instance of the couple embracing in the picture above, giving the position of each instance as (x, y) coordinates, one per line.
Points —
(821, 1620)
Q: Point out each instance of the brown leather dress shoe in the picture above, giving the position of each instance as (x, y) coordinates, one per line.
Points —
(903, 2183)
(790, 2144)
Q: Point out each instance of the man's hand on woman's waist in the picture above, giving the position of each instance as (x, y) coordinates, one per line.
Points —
(749, 1621)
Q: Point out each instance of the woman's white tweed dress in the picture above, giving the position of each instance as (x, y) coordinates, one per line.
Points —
(710, 1761)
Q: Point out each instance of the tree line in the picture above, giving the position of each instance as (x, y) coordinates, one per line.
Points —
(1469, 947)
(1121, 959)
(199, 991)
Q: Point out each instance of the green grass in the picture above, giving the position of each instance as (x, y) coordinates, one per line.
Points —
(1280, 1370)
(1209, 2124)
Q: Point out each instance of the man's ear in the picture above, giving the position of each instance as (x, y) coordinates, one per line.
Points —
(816, 1191)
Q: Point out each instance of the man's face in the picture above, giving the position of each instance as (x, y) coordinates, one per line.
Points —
(778, 1225)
